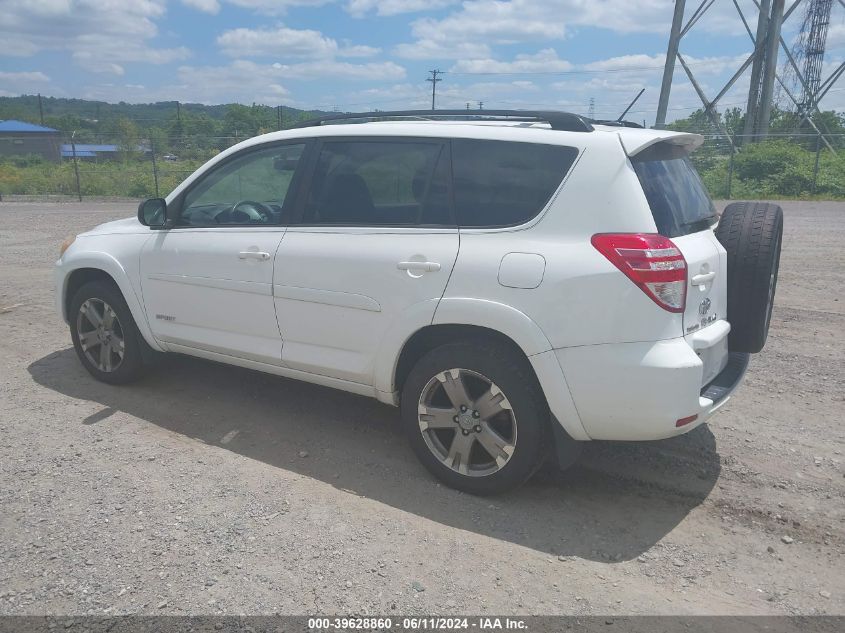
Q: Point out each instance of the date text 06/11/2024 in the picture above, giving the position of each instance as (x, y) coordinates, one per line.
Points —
(486, 623)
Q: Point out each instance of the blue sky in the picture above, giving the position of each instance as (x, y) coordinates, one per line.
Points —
(366, 54)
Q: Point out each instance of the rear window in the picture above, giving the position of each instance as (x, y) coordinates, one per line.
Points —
(501, 183)
(678, 199)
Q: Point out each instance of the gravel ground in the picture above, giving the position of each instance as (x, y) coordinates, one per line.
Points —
(211, 489)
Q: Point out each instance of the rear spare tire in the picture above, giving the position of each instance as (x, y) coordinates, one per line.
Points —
(751, 233)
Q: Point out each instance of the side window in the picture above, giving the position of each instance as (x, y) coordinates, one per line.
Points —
(380, 183)
(500, 183)
(250, 189)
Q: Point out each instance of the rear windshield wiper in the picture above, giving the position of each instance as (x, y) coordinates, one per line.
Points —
(707, 221)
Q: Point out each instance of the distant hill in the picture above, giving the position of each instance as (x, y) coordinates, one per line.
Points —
(167, 124)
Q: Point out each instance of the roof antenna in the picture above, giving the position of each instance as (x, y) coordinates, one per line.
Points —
(631, 105)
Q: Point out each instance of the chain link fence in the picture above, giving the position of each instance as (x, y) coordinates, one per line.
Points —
(782, 166)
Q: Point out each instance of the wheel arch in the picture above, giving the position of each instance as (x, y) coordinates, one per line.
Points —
(103, 267)
(458, 319)
(77, 278)
(431, 336)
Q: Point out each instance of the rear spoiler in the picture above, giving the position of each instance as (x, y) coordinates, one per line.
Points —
(635, 141)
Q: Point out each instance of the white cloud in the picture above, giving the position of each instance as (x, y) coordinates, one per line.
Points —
(206, 6)
(431, 49)
(23, 76)
(491, 22)
(544, 61)
(283, 42)
(100, 35)
(276, 7)
(245, 81)
(278, 42)
(16, 83)
(375, 71)
(358, 50)
(629, 62)
(359, 8)
(836, 36)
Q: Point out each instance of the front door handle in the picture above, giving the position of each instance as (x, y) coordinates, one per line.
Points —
(428, 267)
(261, 255)
(703, 278)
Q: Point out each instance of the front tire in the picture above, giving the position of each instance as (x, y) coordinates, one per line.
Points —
(105, 336)
(476, 417)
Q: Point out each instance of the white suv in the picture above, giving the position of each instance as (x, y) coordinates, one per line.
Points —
(516, 282)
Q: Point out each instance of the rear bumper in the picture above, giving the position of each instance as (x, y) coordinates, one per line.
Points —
(638, 391)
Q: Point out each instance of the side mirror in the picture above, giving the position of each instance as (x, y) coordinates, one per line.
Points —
(153, 213)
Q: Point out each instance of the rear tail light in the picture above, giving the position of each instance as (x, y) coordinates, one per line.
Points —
(652, 262)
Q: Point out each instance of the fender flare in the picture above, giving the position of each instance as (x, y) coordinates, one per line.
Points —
(494, 316)
(503, 318)
(113, 268)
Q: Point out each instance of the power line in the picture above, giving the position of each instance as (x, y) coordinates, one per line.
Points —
(582, 71)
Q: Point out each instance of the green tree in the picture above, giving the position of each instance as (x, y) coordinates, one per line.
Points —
(128, 139)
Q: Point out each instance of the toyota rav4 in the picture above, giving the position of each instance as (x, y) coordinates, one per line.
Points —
(517, 283)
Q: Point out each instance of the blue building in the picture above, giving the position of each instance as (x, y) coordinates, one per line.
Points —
(18, 138)
(90, 151)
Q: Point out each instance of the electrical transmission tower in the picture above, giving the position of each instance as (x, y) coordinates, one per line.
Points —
(434, 81)
(591, 111)
(766, 41)
(808, 53)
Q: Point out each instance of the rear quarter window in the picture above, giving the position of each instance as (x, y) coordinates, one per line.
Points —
(501, 183)
(678, 199)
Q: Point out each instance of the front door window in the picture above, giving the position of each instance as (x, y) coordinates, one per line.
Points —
(248, 190)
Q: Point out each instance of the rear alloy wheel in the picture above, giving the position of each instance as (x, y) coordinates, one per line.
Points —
(475, 416)
(473, 436)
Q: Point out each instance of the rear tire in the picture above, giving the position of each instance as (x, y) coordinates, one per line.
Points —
(751, 233)
(499, 409)
(105, 336)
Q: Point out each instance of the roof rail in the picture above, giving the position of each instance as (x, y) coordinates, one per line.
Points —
(565, 121)
(617, 123)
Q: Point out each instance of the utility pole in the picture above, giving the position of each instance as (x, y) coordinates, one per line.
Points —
(40, 109)
(467, 105)
(279, 115)
(480, 105)
(75, 165)
(434, 81)
(178, 112)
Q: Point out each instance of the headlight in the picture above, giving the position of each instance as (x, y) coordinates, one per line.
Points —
(70, 239)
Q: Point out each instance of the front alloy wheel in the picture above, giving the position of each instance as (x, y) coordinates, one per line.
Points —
(100, 335)
(104, 333)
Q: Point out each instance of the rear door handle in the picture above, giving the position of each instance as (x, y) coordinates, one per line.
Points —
(703, 278)
(428, 267)
(261, 255)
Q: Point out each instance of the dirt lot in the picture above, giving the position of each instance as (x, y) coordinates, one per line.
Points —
(211, 489)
